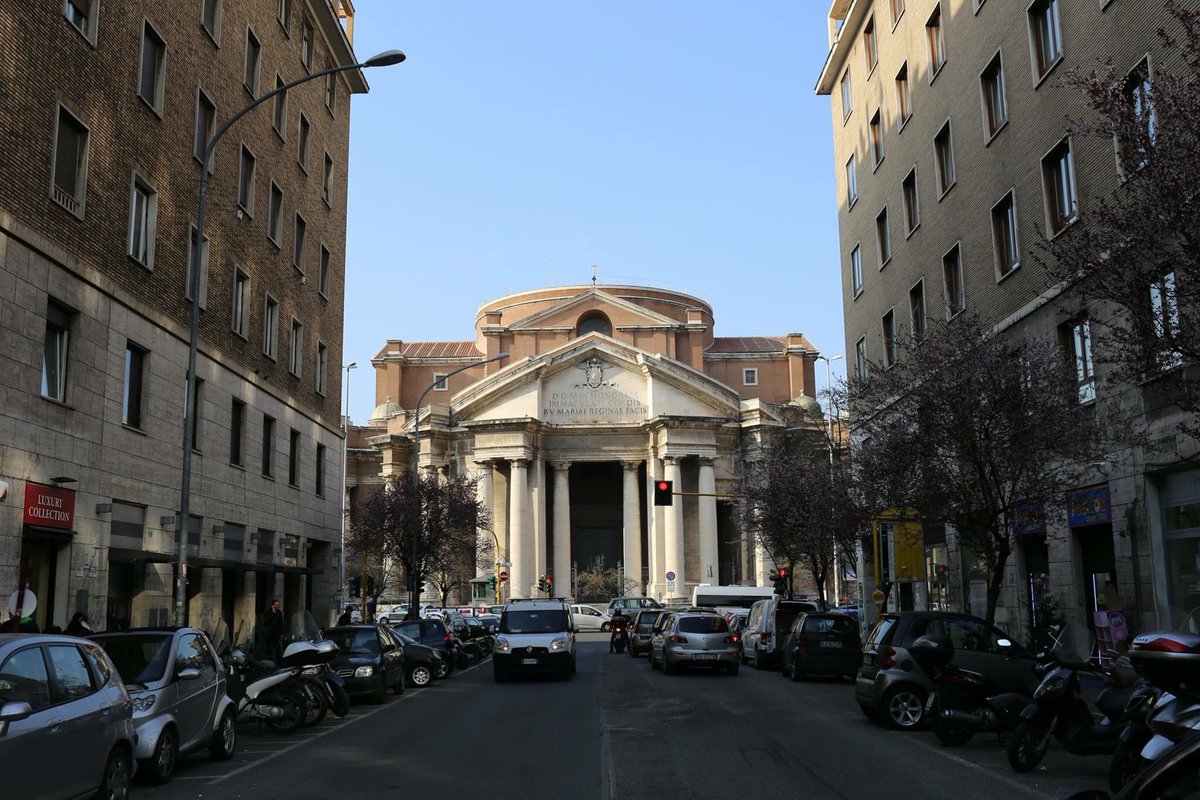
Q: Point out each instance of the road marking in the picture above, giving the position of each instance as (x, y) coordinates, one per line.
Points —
(996, 776)
(608, 777)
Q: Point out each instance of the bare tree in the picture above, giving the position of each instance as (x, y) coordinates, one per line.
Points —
(415, 525)
(600, 582)
(968, 427)
(1134, 253)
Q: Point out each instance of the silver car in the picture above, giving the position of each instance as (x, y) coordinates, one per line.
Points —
(177, 684)
(62, 703)
(694, 639)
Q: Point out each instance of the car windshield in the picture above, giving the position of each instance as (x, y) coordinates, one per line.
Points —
(881, 630)
(355, 641)
(839, 625)
(705, 624)
(547, 621)
(139, 657)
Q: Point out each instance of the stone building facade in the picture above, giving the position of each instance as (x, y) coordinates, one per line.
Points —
(605, 389)
(953, 158)
(106, 106)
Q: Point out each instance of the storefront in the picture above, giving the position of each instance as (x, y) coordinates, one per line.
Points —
(1089, 515)
(48, 529)
(1180, 501)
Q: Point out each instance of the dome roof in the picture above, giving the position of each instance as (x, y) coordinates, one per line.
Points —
(385, 411)
(809, 405)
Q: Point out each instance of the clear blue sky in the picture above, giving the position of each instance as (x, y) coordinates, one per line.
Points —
(675, 144)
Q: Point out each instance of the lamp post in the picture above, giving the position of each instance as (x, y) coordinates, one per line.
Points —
(345, 506)
(414, 589)
(837, 557)
(384, 59)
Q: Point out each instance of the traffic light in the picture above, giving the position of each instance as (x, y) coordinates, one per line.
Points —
(491, 583)
(542, 583)
(549, 584)
(780, 580)
(355, 585)
(663, 493)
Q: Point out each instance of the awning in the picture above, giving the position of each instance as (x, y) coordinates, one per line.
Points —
(122, 554)
(44, 532)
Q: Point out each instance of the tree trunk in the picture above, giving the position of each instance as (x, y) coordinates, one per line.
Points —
(996, 581)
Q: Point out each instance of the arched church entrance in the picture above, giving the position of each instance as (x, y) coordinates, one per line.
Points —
(596, 514)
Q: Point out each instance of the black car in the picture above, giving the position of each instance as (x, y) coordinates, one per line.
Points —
(370, 658)
(824, 643)
(421, 664)
(432, 633)
(643, 623)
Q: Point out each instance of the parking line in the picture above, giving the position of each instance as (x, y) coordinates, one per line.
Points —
(996, 776)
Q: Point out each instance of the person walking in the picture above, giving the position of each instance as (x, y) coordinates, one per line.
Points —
(274, 624)
(15, 624)
(78, 626)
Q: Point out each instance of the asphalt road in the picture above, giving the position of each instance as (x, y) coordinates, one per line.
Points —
(619, 731)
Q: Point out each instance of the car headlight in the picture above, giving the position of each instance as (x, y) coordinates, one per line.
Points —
(502, 645)
(560, 643)
(364, 672)
(143, 702)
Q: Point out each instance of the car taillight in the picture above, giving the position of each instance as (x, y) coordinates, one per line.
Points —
(765, 636)
(885, 657)
(1164, 645)
(732, 639)
(678, 639)
(446, 637)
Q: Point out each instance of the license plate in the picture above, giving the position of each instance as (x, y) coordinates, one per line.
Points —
(705, 656)
(528, 660)
(831, 644)
(929, 703)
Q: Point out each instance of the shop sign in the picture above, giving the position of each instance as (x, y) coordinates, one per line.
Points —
(1030, 519)
(1089, 507)
(49, 506)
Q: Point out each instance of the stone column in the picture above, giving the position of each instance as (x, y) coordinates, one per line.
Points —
(562, 528)
(673, 537)
(655, 516)
(709, 567)
(537, 494)
(633, 524)
(520, 543)
(483, 487)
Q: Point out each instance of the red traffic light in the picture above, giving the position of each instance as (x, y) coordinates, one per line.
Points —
(664, 485)
(663, 494)
(549, 581)
(783, 572)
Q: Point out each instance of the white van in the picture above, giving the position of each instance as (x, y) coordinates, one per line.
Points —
(729, 598)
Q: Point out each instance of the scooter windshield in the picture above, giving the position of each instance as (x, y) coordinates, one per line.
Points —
(302, 627)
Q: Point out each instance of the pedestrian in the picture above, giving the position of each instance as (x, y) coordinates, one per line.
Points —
(78, 626)
(15, 624)
(274, 624)
(371, 607)
(345, 618)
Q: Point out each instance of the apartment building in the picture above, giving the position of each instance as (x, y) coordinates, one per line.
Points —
(107, 108)
(954, 158)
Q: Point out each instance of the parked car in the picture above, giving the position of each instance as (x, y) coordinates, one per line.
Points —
(177, 683)
(892, 688)
(392, 614)
(630, 605)
(433, 633)
(421, 664)
(66, 720)
(370, 659)
(491, 622)
(822, 643)
(497, 610)
(694, 639)
(590, 618)
(640, 631)
(767, 627)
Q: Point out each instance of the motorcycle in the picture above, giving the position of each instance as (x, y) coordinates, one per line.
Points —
(259, 693)
(620, 637)
(1059, 710)
(963, 702)
(324, 690)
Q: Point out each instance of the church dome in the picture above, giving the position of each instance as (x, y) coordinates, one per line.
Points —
(385, 411)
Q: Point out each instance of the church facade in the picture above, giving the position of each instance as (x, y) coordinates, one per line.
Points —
(604, 390)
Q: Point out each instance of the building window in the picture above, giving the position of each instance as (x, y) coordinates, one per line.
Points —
(194, 404)
(296, 348)
(143, 221)
(952, 280)
(299, 235)
(206, 121)
(322, 367)
(1134, 154)
(883, 238)
(210, 18)
(847, 96)
(1058, 183)
(253, 63)
(876, 139)
(191, 267)
(995, 107)
(285, 14)
(331, 90)
(280, 110)
(247, 172)
(439, 382)
(326, 177)
(268, 447)
(851, 182)
(319, 482)
(151, 70)
(239, 317)
(55, 351)
(936, 41)
(1004, 236)
(1078, 335)
(903, 95)
(1164, 320)
(275, 214)
(306, 44)
(897, 11)
(82, 15)
(856, 273)
(912, 203)
(870, 45)
(916, 310)
(270, 326)
(1046, 32)
(237, 431)
(323, 273)
(135, 379)
(943, 151)
(294, 458)
(302, 142)
(750, 377)
(860, 358)
(889, 339)
(69, 186)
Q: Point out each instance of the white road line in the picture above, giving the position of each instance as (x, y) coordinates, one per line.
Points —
(608, 782)
(996, 776)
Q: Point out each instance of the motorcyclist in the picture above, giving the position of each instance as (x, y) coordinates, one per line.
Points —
(620, 627)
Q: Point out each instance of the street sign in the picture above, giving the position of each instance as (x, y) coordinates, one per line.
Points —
(878, 596)
(671, 586)
(503, 574)
(670, 576)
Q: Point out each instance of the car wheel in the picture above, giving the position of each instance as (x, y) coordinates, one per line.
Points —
(224, 738)
(161, 765)
(114, 782)
(605, 627)
(420, 676)
(903, 707)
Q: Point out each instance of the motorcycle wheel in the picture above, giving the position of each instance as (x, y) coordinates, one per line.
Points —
(951, 732)
(341, 700)
(444, 667)
(1124, 766)
(471, 654)
(1024, 747)
(318, 705)
(294, 711)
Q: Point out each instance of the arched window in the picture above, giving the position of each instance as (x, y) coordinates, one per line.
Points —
(594, 321)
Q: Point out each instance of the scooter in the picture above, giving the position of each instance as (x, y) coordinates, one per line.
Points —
(619, 639)
(260, 694)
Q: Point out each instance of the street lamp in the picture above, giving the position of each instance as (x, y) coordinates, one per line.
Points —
(385, 59)
(345, 509)
(414, 601)
(837, 558)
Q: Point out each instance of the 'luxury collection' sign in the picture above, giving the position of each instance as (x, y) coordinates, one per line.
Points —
(49, 506)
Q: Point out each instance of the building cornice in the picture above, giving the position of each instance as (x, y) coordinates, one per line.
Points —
(839, 50)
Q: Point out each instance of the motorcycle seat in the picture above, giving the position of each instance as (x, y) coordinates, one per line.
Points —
(1112, 702)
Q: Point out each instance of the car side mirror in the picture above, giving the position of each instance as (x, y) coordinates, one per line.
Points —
(13, 712)
(1004, 644)
(188, 674)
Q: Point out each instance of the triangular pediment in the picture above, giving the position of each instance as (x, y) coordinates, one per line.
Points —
(566, 313)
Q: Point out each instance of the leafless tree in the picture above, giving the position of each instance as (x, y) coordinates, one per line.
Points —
(599, 582)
